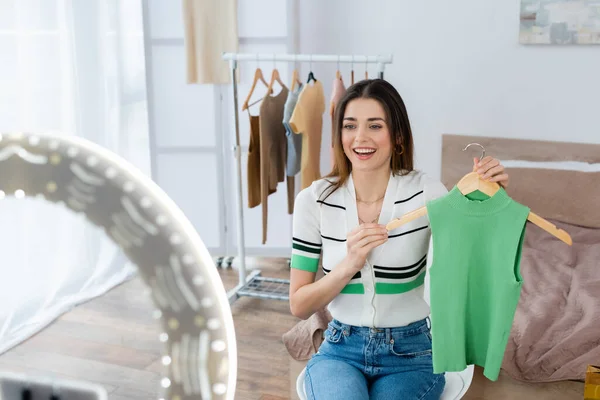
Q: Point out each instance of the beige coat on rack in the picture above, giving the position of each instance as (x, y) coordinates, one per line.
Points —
(210, 29)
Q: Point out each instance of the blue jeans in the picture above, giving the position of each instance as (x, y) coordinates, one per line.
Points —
(366, 363)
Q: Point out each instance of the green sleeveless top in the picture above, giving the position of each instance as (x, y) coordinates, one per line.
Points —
(475, 281)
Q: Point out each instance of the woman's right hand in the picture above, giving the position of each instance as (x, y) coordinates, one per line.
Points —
(308, 295)
(361, 241)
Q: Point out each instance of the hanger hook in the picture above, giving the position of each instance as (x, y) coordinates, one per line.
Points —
(476, 144)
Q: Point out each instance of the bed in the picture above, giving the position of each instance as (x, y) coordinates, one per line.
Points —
(556, 330)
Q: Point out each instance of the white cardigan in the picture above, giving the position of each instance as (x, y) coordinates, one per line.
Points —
(389, 290)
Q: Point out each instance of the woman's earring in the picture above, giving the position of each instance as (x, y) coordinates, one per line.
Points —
(399, 148)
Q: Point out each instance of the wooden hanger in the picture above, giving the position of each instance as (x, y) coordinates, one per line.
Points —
(275, 78)
(295, 80)
(258, 76)
(338, 75)
(352, 72)
(470, 183)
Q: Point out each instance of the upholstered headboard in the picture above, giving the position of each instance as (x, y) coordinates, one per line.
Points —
(557, 180)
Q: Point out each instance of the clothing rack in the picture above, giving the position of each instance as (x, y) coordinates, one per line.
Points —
(253, 285)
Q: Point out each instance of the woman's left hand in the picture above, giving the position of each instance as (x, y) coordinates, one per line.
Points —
(491, 170)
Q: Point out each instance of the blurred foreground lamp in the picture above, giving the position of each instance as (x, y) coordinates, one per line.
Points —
(200, 356)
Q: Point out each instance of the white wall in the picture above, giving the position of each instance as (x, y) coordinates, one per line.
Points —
(460, 69)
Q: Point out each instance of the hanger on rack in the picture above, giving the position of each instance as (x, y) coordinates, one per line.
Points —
(274, 78)
(366, 70)
(338, 76)
(352, 71)
(469, 184)
(310, 74)
(295, 78)
(258, 76)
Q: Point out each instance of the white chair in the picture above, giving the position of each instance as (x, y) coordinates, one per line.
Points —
(457, 384)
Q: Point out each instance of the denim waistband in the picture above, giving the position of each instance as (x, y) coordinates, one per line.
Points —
(411, 329)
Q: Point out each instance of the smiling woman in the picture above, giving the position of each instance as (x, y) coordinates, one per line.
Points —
(362, 134)
(379, 341)
(371, 113)
(366, 143)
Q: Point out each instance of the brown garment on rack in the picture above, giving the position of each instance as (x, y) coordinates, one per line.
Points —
(253, 169)
(339, 90)
(273, 149)
(307, 120)
(291, 192)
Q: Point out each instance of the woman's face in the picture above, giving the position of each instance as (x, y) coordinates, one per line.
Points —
(365, 135)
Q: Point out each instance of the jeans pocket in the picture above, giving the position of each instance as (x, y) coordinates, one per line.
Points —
(428, 335)
(333, 334)
(411, 346)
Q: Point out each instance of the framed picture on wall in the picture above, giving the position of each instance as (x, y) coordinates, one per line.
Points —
(560, 22)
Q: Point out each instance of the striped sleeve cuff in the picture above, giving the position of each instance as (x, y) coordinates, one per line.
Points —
(305, 255)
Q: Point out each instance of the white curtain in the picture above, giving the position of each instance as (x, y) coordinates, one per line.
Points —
(75, 67)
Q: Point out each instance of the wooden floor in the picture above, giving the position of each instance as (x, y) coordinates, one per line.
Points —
(112, 340)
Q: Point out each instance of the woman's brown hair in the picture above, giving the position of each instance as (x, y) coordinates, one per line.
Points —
(397, 121)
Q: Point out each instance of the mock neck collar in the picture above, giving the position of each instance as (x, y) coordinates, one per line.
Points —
(477, 203)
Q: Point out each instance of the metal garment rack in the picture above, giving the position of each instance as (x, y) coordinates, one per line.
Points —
(254, 285)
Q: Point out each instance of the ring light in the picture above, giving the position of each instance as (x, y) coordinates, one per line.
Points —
(200, 356)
